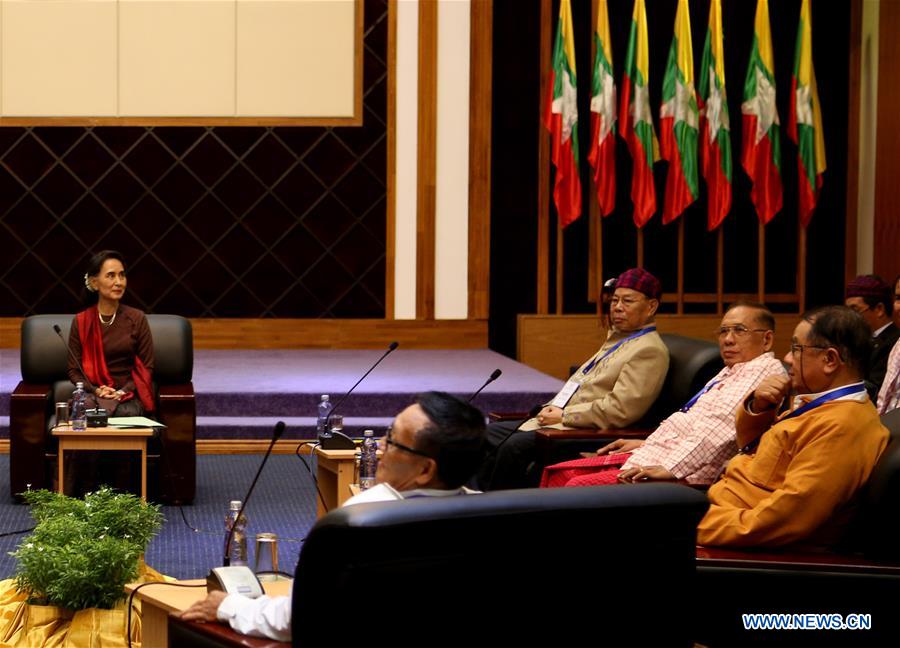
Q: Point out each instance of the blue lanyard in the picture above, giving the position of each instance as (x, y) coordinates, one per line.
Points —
(633, 336)
(690, 403)
(811, 405)
(824, 398)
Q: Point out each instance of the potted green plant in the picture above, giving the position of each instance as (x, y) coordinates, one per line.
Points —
(82, 553)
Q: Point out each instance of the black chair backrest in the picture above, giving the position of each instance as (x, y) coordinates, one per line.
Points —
(692, 363)
(507, 563)
(876, 531)
(44, 357)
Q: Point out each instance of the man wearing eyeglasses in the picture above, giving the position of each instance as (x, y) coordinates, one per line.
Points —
(889, 395)
(796, 477)
(871, 297)
(693, 443)
(431, 450)
(613, 389)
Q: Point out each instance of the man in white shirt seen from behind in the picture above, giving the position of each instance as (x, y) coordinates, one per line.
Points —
(431, 450)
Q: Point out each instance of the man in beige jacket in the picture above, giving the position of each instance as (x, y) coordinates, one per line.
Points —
(614, 388)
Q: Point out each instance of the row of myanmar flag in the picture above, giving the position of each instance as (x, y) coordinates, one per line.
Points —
(686, 116)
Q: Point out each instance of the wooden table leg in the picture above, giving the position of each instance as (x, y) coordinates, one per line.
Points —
(328, 487)
(60, 471)
(144, 470)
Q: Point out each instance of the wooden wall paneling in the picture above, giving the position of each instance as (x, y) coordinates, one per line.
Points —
(552, 344)
(853, 161)
(480, 112)
(390, 252)
(887, 156)
(543, 161)
(283, 333)
(427, 162)
(359, 31)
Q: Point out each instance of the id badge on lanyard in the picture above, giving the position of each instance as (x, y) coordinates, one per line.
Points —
(565, 394)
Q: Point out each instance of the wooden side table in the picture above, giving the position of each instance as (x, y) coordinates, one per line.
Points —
(158, 601)
(102, 438)
(335, 472)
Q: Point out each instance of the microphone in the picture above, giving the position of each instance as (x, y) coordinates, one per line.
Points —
(276, 434)
(72, 355)
(329, 440)
(493, 377)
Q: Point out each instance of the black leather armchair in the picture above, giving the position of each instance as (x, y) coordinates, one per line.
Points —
(613, 565)
(171, 461)
(692, 363)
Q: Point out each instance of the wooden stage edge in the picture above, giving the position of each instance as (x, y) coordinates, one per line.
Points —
(230, 446)
(554, 343)
(225, 333)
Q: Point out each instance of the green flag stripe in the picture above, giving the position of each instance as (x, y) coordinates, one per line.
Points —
(686, 138)
(724, 142)
(644, 133)
(806, 144)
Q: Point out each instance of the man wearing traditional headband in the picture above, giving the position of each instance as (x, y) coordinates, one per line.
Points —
(614, 388)
(871, 297)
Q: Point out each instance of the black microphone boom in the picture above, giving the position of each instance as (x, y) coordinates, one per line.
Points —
(493, 377)
(276, 434)
(336, 440)
(72, 355)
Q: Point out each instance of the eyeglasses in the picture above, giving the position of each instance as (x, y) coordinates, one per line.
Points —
(388, 441)
(859, 308)
(738, 330)
(797, 349)
(625, 303)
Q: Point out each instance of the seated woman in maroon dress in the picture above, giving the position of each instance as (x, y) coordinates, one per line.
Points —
(113, 344)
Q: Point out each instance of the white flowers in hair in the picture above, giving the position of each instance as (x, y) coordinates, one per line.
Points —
(87, 283)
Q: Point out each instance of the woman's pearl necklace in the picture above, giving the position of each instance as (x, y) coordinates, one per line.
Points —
(112, 318)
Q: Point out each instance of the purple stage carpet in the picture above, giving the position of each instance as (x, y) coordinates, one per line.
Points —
(241, 394)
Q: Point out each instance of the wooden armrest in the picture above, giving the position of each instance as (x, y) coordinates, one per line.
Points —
(552, 434)
(507, 416)
(792, 560)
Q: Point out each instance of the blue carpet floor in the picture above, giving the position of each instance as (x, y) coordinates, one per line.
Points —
(283, 503)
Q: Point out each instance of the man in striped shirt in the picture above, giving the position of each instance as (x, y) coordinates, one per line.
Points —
(695, 442)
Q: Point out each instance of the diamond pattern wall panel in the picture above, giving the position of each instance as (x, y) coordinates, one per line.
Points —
(213, 222)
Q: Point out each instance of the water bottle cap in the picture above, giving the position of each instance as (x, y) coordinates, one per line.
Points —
(325, 397)
(79, 385)
(235, 505)
(368, 433)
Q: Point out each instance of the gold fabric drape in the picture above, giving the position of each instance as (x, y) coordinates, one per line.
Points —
(38, 626)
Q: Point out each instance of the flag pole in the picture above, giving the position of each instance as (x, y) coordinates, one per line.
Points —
(680, 298)
(559, 268)
(543, 206)
(640, 247)
(761, 265)
(801, 267)
(720, 272)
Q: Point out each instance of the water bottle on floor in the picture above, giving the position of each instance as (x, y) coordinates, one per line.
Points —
(79, 408)
(368, 461)
(324, 411)
(238, 555)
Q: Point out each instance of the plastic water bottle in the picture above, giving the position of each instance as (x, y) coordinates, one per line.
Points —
(324, 411)
(368, 461)
(79, 408)
(238, 555)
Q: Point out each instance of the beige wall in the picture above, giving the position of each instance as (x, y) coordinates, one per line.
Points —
(185, 58)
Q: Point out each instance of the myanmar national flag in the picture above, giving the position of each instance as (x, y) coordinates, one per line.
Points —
(602, 156)
(636, 123)
(715, 129)
(805, 120)
(562, 120)
(678, 119)
(761, 154)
